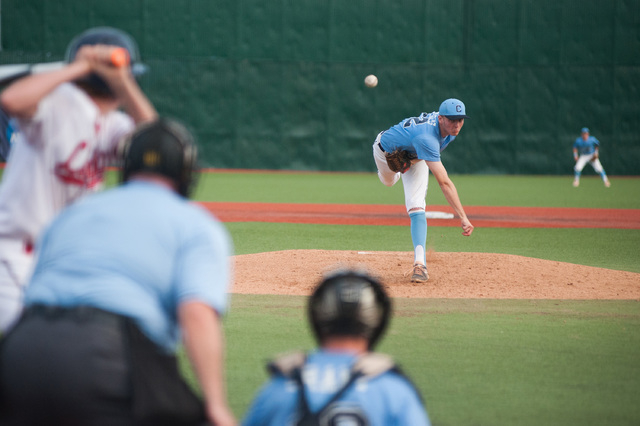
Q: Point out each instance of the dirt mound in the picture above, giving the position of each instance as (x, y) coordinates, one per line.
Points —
(451, 275)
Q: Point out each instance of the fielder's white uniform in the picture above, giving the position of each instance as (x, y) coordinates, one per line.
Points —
(59, 156)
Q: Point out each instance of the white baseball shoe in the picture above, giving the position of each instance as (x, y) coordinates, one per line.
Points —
(420, 274)
(576, 183)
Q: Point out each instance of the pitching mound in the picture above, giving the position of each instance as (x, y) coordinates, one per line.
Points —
(451, 275)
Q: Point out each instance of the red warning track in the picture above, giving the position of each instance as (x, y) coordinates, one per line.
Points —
(395, 215)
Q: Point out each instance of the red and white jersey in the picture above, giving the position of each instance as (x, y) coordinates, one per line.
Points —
(60, 155)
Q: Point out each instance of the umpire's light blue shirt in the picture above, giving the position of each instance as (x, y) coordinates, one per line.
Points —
(420, 135)
(138, 250)
(385, 400)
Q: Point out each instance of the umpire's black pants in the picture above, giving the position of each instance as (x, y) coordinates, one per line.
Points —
(66, 367)
(87, 367)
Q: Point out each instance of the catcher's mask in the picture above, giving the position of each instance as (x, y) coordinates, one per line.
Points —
(349, 303)
(163, 147)
(108, 36)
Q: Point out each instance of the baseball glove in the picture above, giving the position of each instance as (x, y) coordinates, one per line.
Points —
(400, 160)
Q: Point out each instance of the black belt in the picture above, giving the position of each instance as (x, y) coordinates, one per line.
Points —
(76, 313)
(381, 148)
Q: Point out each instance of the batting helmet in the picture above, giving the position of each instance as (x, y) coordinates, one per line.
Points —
(163, 147)
(349, 303)
(111, 37)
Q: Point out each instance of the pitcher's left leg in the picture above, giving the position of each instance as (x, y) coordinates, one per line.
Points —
(416, 182)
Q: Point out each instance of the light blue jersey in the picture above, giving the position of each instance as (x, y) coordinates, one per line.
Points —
(138, 250)
(420, 135)
(388, 399)
(586, 147)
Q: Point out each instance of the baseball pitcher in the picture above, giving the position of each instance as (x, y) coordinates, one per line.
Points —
(408, 151)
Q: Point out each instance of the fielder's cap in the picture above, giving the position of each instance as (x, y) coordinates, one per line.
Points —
(585, 130)
(453, 109)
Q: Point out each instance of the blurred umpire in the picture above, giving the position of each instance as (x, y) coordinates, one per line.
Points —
(121, 277)
(343, 382)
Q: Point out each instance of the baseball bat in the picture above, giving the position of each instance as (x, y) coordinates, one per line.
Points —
(119, 57)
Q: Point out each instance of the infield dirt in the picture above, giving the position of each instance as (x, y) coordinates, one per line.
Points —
(451, 275)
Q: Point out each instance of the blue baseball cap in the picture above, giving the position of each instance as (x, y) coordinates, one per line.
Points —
(453, 109)
(585, 130)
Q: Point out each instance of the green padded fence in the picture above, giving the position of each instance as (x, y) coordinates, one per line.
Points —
(278, 84)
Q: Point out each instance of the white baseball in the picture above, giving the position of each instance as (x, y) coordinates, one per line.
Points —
(371, 80)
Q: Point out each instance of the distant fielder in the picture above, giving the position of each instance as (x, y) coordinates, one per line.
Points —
(409, 150)
(585, 150)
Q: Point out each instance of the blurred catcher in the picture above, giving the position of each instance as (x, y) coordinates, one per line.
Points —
(343, 381)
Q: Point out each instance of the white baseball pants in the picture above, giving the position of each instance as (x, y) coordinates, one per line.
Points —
(15, 271)
(588, 158)
(415, 181)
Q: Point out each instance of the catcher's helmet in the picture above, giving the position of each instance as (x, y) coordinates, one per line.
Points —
(349, 303)
(163, 147)
(108, 36)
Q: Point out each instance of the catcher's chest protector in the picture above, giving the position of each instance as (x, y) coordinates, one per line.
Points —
(368, 365)
(307, 418)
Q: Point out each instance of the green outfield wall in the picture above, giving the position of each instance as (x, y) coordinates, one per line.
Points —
(278, 84)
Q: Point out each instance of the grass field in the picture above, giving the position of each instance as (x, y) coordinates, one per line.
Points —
(365, 188)
(606, 248)
(477, 362)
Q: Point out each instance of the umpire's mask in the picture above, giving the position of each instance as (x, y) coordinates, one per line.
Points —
(163, 147)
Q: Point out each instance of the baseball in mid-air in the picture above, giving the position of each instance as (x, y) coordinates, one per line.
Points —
(371, 80)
